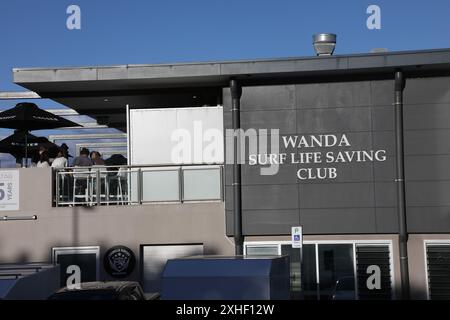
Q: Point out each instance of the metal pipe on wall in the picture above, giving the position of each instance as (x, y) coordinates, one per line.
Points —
(236, 93)
(400, 184)
(18, 218)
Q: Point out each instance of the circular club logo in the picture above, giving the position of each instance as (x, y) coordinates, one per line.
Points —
(119, 261)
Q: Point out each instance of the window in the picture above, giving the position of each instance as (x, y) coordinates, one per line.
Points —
(438, 270)
(366, 256)
(332, 270)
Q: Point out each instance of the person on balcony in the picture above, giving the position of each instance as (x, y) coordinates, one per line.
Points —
(59, 163)
(37, 156)
(43, 160)
(83, 159)
(81, 176)
(97, 159)
(60, 160)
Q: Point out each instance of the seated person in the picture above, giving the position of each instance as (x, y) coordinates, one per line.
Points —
(83, 159)
(43, 160)
(97, 159)
(60, 160)
(81, 176)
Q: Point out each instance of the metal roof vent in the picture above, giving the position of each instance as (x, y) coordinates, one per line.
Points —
(324, 43)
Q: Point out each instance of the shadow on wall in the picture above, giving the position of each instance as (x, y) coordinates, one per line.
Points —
(418, 293)
(22, 256)
(76, 223)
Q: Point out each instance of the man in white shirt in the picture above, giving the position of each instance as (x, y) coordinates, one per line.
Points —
(60, 161)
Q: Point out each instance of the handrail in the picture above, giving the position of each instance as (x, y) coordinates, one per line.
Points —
(141, 166)
(128, 182)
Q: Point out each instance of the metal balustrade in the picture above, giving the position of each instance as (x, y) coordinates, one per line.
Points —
(134, 185)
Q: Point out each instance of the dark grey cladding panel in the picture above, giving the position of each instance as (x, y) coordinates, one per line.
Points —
(384, 140)
(383, 118)
(287, 173)
(262, 222)
(354, 172)
(252, 175)
(428, 219)
(283, 120)
(228, 172)
(266, 197)
(226, 99)
(427, 116)
(228, 198)
(385, 170)
(426, 142)
(323, 95)
(335, 221)
(357, 140)
(227, 120)
(428, 193)
(382, 92)
(268, 97)
(262, 98)
(363, 197)
(427, 90)
(434, 167)
(256, 140)
(386, 220)
(385, 194)
(333, 120)
(229, 222)
(337, 195)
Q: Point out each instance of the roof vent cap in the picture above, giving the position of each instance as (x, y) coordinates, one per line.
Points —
(324, 43)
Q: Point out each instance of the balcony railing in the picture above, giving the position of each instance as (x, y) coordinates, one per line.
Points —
(132, 185)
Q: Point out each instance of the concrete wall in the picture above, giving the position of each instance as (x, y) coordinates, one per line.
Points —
(104, 226)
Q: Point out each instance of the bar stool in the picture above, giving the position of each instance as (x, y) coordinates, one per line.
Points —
(121, 175)
(80, 175)
(92, 180)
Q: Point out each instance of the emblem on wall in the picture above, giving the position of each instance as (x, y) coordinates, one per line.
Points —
(119, 261)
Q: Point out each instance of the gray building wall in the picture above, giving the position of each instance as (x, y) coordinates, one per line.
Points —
(362, 199)
(104, 226)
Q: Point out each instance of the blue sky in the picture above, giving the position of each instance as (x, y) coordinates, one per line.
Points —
(34, 34)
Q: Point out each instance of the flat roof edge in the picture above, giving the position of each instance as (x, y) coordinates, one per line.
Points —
(300, 58)
(140, 77)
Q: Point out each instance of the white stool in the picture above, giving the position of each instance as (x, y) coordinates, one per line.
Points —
(93, 177)
(81, 174)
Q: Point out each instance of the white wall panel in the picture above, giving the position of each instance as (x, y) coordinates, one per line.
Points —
(152, 141)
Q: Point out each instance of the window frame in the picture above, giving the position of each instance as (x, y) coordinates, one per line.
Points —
(434, 242)
(354, 243)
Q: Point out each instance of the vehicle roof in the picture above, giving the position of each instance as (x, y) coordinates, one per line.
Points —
(100, 285)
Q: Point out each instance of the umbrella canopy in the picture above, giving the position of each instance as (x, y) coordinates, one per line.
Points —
(24, 144)
(116, 160)
(28, 116)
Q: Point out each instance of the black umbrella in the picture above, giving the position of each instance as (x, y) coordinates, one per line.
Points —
(116, 160)
(22, 144)
(28, 116)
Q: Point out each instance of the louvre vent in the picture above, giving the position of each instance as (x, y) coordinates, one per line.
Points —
(438, 263)
(367, 255)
